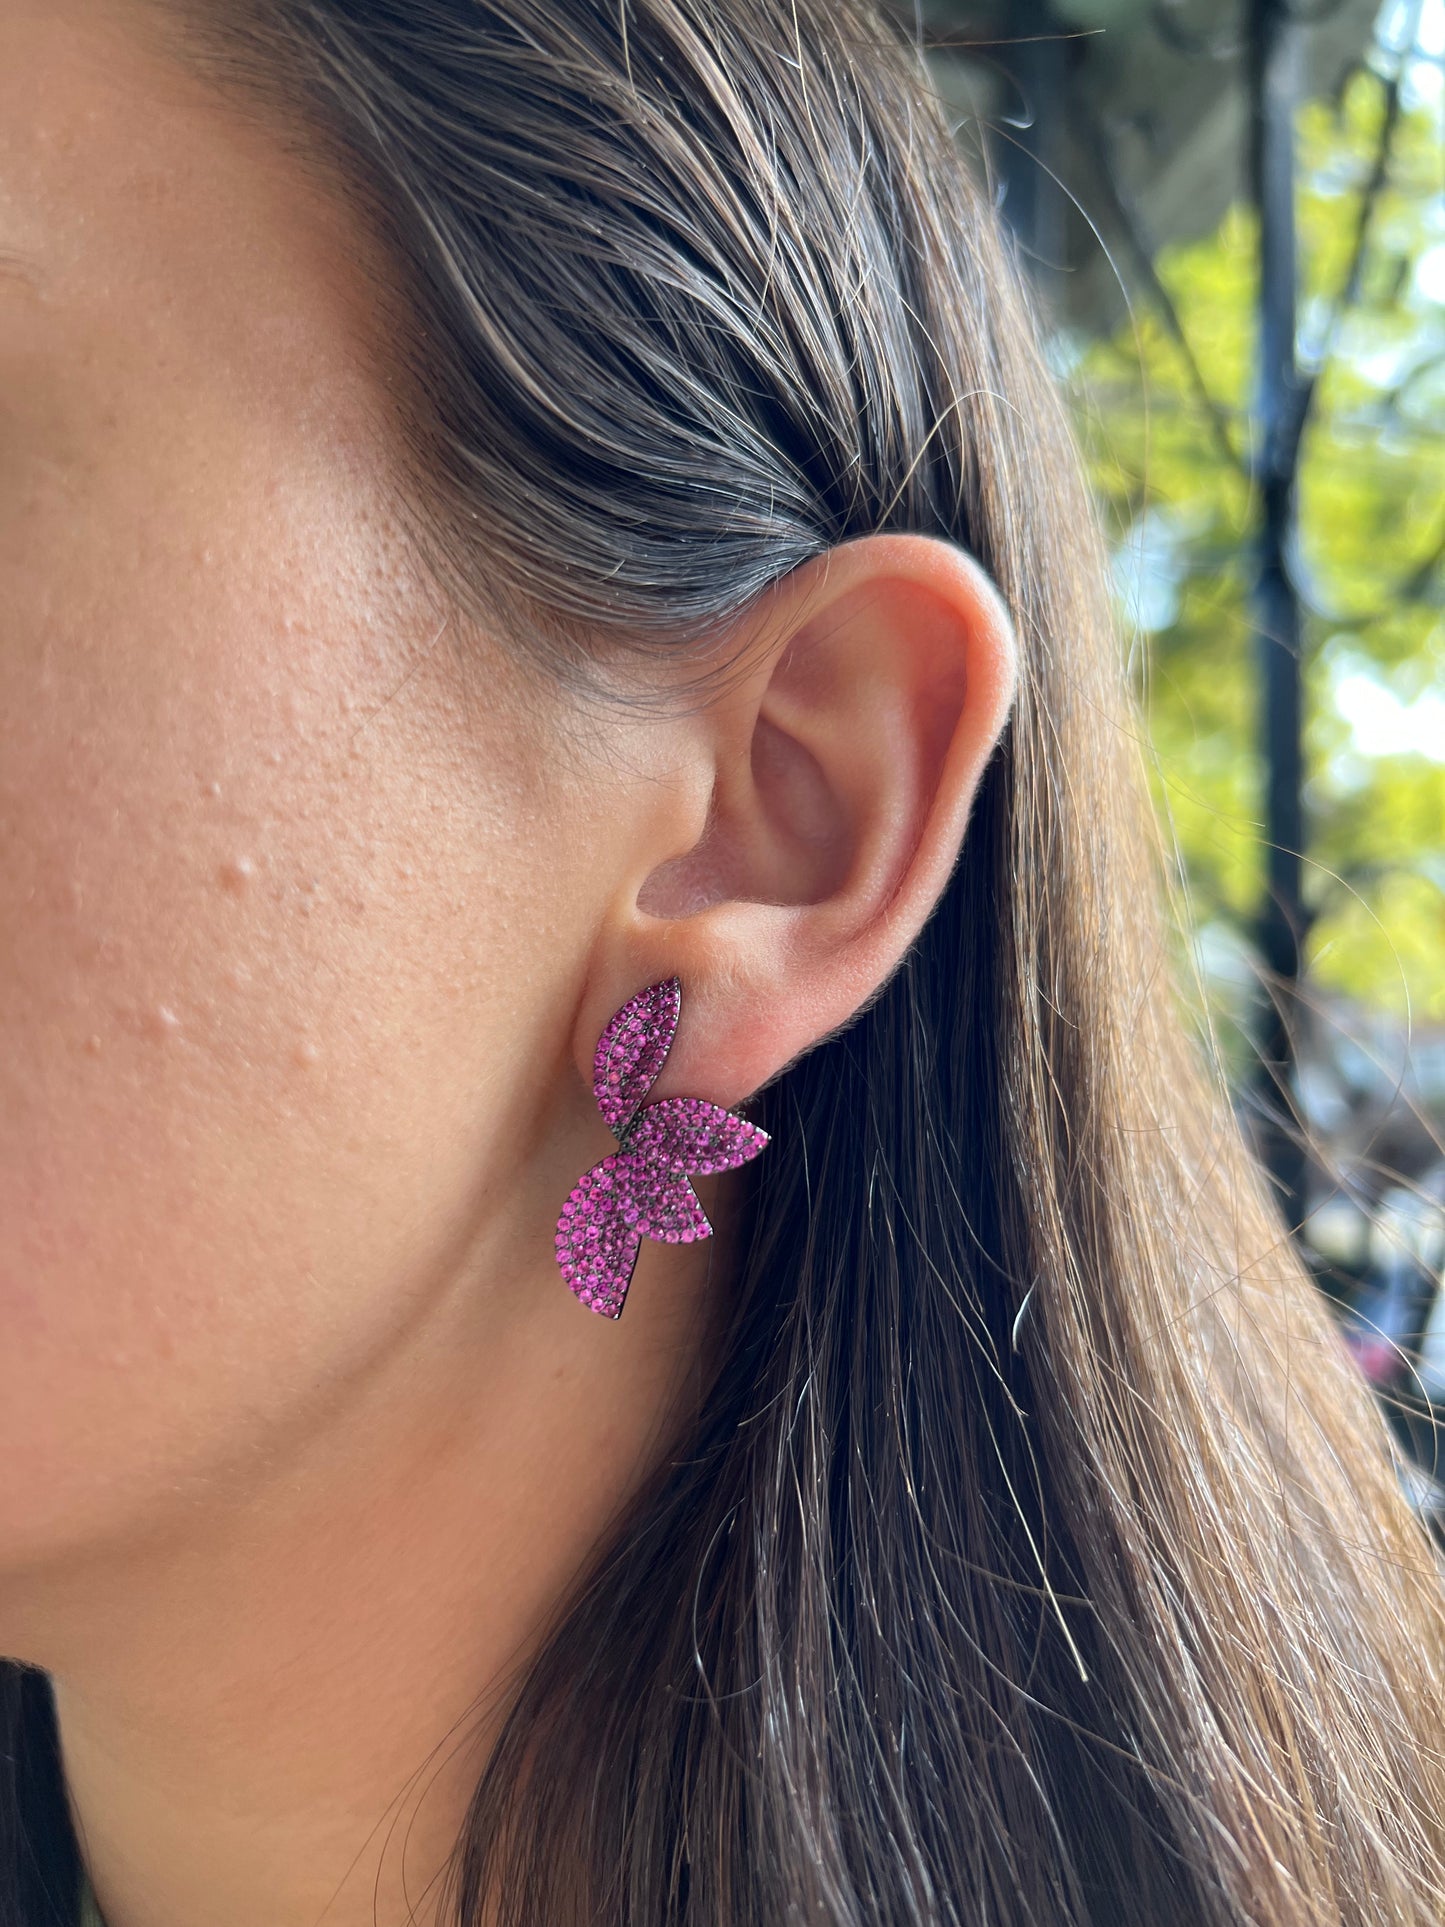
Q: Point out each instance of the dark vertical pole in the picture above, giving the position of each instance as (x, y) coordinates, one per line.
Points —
(1035, 52)
(1273, 55)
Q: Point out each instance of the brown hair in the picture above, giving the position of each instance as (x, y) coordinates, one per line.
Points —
(1037, 1557)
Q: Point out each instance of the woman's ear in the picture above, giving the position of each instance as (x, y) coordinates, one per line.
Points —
(841, 763)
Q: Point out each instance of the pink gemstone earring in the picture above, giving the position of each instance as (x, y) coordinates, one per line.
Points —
(640, 1190)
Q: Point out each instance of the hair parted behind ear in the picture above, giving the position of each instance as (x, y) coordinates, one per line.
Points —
(1037, 1558)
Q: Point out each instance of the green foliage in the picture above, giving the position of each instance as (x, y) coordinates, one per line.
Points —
(1371, 562)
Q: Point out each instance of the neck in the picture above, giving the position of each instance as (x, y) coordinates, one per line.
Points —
(276, 1711)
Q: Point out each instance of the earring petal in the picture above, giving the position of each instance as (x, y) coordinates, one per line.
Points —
(631, 1050)
(597, 1236)
(691, 1134)
(668, 1208)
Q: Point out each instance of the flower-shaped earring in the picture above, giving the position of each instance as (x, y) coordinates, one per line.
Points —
(640, 1190)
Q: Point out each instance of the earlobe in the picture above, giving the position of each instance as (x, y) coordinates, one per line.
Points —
(844, 766)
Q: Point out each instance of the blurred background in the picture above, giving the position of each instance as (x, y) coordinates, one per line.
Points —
(1234, 218)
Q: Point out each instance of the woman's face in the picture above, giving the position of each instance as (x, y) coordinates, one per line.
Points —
(312, 903)
(284, 931)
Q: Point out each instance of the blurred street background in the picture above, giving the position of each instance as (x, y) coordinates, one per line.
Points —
(1233, 213)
